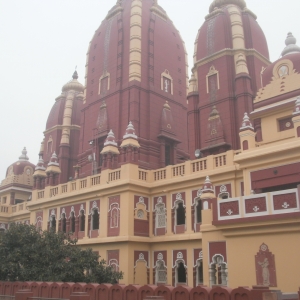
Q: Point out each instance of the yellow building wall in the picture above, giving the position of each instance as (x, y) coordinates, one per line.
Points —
(285, 247)
(270, 122)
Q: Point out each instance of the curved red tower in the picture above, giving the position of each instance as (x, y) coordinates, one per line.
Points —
(230, 53)
(136, 66)
(62, 130)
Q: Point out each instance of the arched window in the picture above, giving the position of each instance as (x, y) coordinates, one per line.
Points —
(199, 270)
(81, 221)
(180, 214)
(114, 216)
(114, 264)
(218, 273)
(95, 219)
(49, 145)
(223, 192)
(63, 223)
(160, 215)
(72, 222)
(180, 273)
(39, 223)
(53, 223)
(245, 145)
(198, 211)
(160, 272)
(2, 229)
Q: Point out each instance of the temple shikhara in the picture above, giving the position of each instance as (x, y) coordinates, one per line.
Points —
(173, 178)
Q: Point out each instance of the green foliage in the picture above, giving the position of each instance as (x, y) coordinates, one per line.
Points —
(30, 255)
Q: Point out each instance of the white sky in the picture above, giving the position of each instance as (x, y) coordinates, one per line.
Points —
(42, 41)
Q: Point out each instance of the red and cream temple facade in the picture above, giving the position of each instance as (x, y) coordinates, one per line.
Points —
(117, 165)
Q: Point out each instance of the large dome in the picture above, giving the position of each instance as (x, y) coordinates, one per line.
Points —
(117, 51)
(136, 61)
(63, 126)
(217, 30)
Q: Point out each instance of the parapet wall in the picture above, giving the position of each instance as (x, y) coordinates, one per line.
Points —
(60, 290)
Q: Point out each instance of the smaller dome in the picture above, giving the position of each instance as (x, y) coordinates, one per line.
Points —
(130, 138)
(19, 168)
(110, 144)
(53, 160)
(130, 132)
(74, 84)
(110, 140)
(219, 3)
(208, 189)
(291, 46)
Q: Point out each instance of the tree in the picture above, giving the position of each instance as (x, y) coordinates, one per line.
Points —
(30, 255)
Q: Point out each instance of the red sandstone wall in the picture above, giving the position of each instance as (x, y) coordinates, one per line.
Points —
(129, 292)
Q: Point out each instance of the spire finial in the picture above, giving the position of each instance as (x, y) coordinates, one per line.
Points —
(110, 140)
(207, 187)
(75, 74)
(219, 3)
(24, 156)
(53, 160)
(246, 124)
(291, 46)
(130, 132)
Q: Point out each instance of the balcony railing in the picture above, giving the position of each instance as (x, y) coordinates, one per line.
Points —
(8, 209)
(211, 163)
(259, 206)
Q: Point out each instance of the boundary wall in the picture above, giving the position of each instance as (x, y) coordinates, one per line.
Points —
(83, 291)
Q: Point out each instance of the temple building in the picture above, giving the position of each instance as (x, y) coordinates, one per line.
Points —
(174, 180)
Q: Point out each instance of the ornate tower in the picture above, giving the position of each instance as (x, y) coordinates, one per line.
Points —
(136, 61)
(62, 129)
(230, 54)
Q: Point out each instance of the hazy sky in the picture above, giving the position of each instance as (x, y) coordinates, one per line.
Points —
(41, 42)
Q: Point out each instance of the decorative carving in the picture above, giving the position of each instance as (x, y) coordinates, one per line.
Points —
(210, 36)
(141, 200)
(223, 189)
(265, 271)
(179, 197)
(229, 208)
(140, 214)
(167, 82)
(160, 256)
(255, 209)
(229, 212)
(141, 256)
(284, 201)
(179, 255)
(285, 205)
(255, 205)
(199, 192)
(265, 267)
